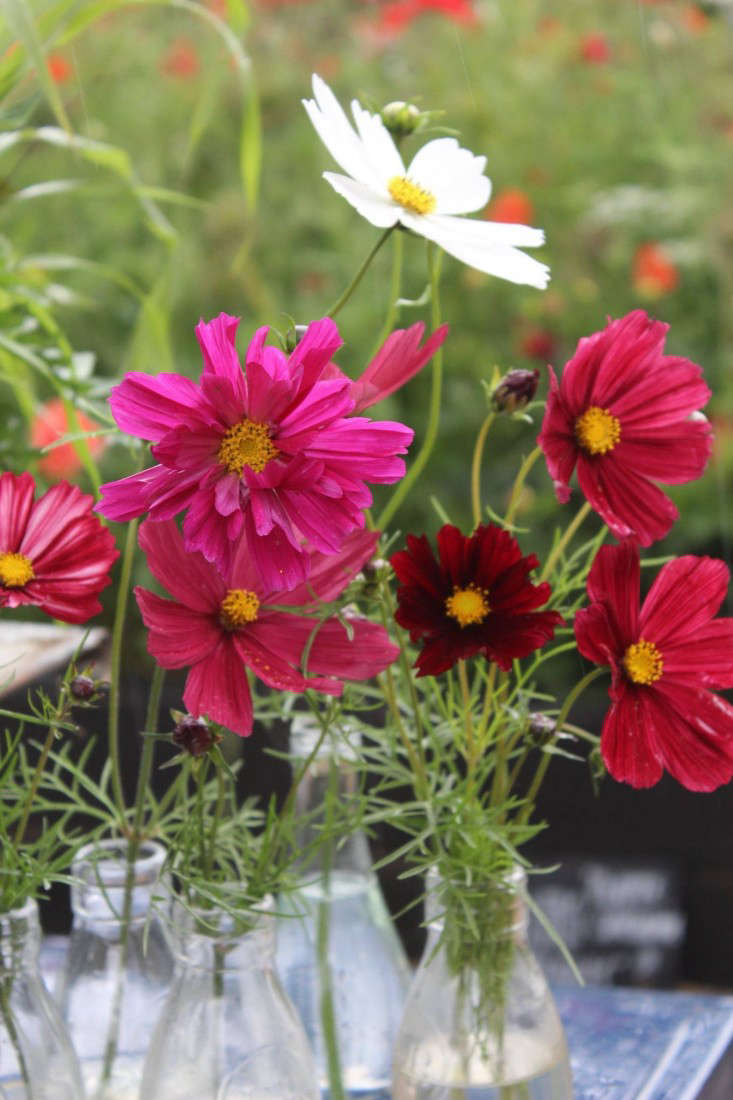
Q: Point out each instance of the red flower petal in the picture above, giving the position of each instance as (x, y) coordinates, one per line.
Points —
(686, 594)
(627, 745)
(217, 688)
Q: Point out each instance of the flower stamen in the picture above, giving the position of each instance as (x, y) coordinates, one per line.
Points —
(15, 570)
(411, 195)
(597, 430)
(643, 662)
(468, 605)
(239, 607)
(247, 443)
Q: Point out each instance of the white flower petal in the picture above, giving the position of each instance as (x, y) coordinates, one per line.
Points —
(379, 147)
(370, 204)
(477, 233)
(493, 258)
(453, 174)
(337, 133)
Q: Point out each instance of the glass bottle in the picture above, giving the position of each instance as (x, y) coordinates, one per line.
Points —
(37, 1060)
(369, 974)
(119, 964)
(227, 1031)
(471, 1036)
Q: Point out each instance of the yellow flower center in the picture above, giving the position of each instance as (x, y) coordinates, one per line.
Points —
(15, 570)
(246, 444)
(238, 608)
(411, 196)
(468, 605)
(643, 662)
(597, 430)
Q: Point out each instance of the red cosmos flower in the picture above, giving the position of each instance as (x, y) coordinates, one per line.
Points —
(51, 423)
(664, 658)
(221, 624)
(595, 49)
(511, 205)
(653, 273)
(476, 599)
(180, 60)
(53, 552)
(398, 14)
(623, 412)
(59, 68)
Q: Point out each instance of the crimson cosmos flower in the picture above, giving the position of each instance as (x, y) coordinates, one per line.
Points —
(273, 453)
(665, 658)
(476, 599)
(623, 413)
(220, 625)
(54, 553)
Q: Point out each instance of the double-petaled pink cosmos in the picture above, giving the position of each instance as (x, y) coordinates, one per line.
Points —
(54, 553)
(665, 658)
(624, 415)
(219, 625)
(273, 453)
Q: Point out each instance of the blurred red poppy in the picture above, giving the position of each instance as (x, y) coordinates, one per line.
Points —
(653, 273)
(181, 60)
(511, 205)
(51, 423)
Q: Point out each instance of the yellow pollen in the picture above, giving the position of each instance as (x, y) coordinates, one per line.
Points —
(411, 195)
(597, 430)
(643, 662)
(238, 608)
(468, 605)
(15, 570)
(246, 444)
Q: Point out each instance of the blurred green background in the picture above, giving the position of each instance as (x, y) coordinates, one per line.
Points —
(156, 167)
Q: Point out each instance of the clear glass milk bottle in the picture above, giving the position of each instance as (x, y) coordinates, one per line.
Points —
(119, 964)
(367, 967)
(469, 1034)
(37, 1060)
(228, 1031)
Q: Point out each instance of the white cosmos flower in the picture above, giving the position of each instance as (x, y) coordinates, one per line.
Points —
(442, 181)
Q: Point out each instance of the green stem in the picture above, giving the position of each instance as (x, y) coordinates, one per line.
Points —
(6, 985)
(113, 728)
(146, 758)
(341, 302)
(394, 291)
(547, 756)
(470, 750)
(478, 452)
(519, 485)
(218, 810)
(22, 824)
(328, 1016)
(563, 541)
(431, 432)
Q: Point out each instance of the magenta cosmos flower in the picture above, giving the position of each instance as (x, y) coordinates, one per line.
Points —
(664, 658)
(220, 625)
(54, 553)
(475, 598)
(271, 454)
(623, 414)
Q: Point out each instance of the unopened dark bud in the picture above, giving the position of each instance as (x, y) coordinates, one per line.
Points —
(293, 337)
(83, 687)
(194, 735)
(542, 729)
(515, 390)
(401, 118)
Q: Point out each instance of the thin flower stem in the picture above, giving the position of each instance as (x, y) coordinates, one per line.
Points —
(118, 628)
(470, 751)
(146, 759)
(341, 302)
(431, 432)
(218, 810)
(394, 291)
(478, 452)
(33, 790)
(519, 484)
(328, 1015)
(563, 541)
(547, 757)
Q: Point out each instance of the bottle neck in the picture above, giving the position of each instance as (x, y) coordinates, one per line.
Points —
(20, 938)
(222, 942)
(329, 783)
(499, 905)
(108, 889)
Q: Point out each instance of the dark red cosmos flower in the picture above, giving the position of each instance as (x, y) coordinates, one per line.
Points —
(623, 413)
(54, 553)
(476, 599)
(665, 658)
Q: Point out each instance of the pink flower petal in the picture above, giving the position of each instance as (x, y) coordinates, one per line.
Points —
(177, 636)
(189, 578)
(686, 594)
(217, 688)
(149, 406)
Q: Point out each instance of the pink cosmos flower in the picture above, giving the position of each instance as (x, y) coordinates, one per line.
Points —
(665, 658)
(271, 454)
(219, 625)
(54, 553)
(623, 413)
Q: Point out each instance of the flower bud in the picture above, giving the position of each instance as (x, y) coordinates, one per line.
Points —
(400, 118)
(542, 729)
(82, 688)
(515, 390)
(194, 735)
(293, 337)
